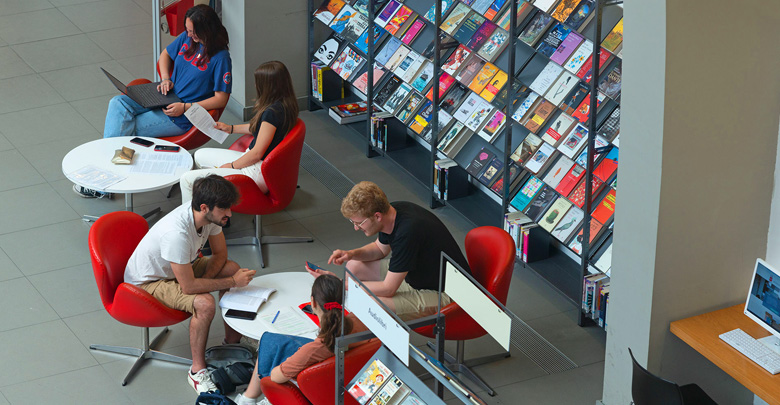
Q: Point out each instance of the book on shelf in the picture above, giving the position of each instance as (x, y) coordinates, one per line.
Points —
(444, 122)
(495, 8)
(581, 15)
(431, 14)
(561, 88)
(554, 38)
(479, 115)
(388, 50)
(608, 165)
(523, 153)
(447, 44)
(328, 50)
(513, 221)
(398, 23)
(611, 126)
(546, 78)
(422, 117)
(493, 126)
(481, 6)
(423, 76)
(482, 35)
(568, 224)
(467, 107)
(409, 66)
(539, 205)
(495, 44)
(469, 27)
(454, 148)
(616, 141)
(570, 180)
(361, 82)
(491, 172)
(577, 196)
(563, 9)
(525, 106)
(573, 142)
(610, 83)
(578, 57)
(362, 42)
(593, 284)
(570, 103)
(514, 176)
(575, 244)
(355, 27)
(494, 85)
(445, 82)
(558, 171)
(582, 112)
(527, 193)
(500, 100)
(455, 18)
(558, 128)
(566, 48)
(450, 135)
(604, 262)
(397, 97)
(540, 158)
(349, 113)
(524, 8)
(614, 40)
(533, 31)
(414, 30)
(480, 162)
(383, 93)
(368, 383)
(468, 2)
(328, 10)
(586, 72)
(398, 57)
(378, 134)
(605, 208)
(347, 63)
(450, 180)
(582, 158)
(329, 86)
(384, 16)
(539, 116)
(339, 23)
(483, 77)
(453, 99)
(545, 5)
(554, 214)
(469, 70)
(456, 59)
(536, 243)
(404, 112)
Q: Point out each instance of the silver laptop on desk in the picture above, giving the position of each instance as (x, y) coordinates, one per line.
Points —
(144, 94)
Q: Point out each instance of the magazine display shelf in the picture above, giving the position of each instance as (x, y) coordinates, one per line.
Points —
(415, 156)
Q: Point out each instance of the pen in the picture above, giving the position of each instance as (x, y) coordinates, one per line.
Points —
(275, 316)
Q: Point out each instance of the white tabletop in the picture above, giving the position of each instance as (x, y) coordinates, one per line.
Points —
(99, 153)
(292, 289)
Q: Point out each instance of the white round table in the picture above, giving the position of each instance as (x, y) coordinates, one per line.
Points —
(99, 153)
(292, 289)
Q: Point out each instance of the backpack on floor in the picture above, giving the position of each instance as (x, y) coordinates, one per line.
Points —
(213, 398)
(231, 366)
(224, 355)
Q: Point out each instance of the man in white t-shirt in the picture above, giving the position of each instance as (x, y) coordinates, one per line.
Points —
(166, 264)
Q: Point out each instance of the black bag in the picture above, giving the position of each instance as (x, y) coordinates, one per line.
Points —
(231, 366)
(224, 355)
(213, 398)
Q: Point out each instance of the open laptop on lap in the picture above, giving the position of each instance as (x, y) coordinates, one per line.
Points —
(144, 94)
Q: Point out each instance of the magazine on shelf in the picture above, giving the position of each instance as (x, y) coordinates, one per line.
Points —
(370, 381)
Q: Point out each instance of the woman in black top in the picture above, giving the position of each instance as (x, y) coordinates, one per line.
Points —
(276, 111)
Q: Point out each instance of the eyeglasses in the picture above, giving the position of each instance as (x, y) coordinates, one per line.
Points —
(357, 225)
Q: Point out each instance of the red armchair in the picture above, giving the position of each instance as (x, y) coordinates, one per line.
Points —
(280, 172)
(491, 255)
(112, 240)
(317, 382)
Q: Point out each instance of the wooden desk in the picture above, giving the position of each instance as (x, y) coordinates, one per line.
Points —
(701, 333)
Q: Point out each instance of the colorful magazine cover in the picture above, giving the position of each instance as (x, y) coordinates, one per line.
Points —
(370, 381)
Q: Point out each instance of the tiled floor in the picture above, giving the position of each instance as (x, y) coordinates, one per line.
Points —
(52, 99)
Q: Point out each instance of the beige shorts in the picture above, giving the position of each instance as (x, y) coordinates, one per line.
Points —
(411, 303)
(169, 291)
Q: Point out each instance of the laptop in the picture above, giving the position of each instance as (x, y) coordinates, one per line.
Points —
(144, 94)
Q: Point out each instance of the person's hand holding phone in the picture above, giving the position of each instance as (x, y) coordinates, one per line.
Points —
(317, 271)
(243, 277)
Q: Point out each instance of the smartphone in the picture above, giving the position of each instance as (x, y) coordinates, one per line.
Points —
(142, 142)
(308, 309)
(165, 148)
(313, 266)
(234, 313)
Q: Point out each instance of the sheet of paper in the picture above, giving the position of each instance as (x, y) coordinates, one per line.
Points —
(248, 298)
(291, 321)
(159, 162)
(202, 120)
(93, 177)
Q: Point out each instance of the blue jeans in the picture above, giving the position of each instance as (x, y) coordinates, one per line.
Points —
(125, 117)
(274, 349)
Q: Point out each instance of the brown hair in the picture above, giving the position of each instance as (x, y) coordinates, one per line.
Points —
(274, 84)
(365, 199)
(209, 30)
(214, 191)
(327, 288)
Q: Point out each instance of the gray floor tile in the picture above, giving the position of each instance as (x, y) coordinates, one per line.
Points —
(69, 388)
(70, 291)
(102, 15)
(17, 171)
(4, 144)
(312, 198)
(41, 205)
(8, 7)
(530, 297)
(3, 401)
(92, 206)
(56, 350)
(574, 387)
(140, 66)
(60, 3)
(158, 382)
(61, 53)
(8, 269)
(286, 255)
(35, 26)
(583, 345)
(86, 81)
(333, 231)
(66, 246)
(11, 65)
(93, 110)
(146, 5)
(22, 305)
(47, 158)
(45, 124)
(114, 41)
(25, 92)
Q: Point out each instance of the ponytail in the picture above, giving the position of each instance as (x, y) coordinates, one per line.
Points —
(328, 293)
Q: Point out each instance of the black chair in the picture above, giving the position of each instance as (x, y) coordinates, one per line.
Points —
(647, 389)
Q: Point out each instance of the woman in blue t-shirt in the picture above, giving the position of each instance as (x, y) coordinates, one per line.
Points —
(276, 112)
(196, 66)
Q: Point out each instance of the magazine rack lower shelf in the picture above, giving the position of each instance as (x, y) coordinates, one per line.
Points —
(560, 272)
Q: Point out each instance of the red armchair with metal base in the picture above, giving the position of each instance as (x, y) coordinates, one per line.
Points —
(280, 172)
(112, 240)
(316, 383)
(491, 255)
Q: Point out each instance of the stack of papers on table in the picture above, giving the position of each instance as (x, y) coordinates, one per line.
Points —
(291, 321)
(248, 298)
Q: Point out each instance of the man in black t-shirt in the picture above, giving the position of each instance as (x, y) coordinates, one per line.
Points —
(416, 238)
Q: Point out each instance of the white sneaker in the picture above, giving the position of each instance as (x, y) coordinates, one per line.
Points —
(201, 381)
(264, 401)
(242, 400)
